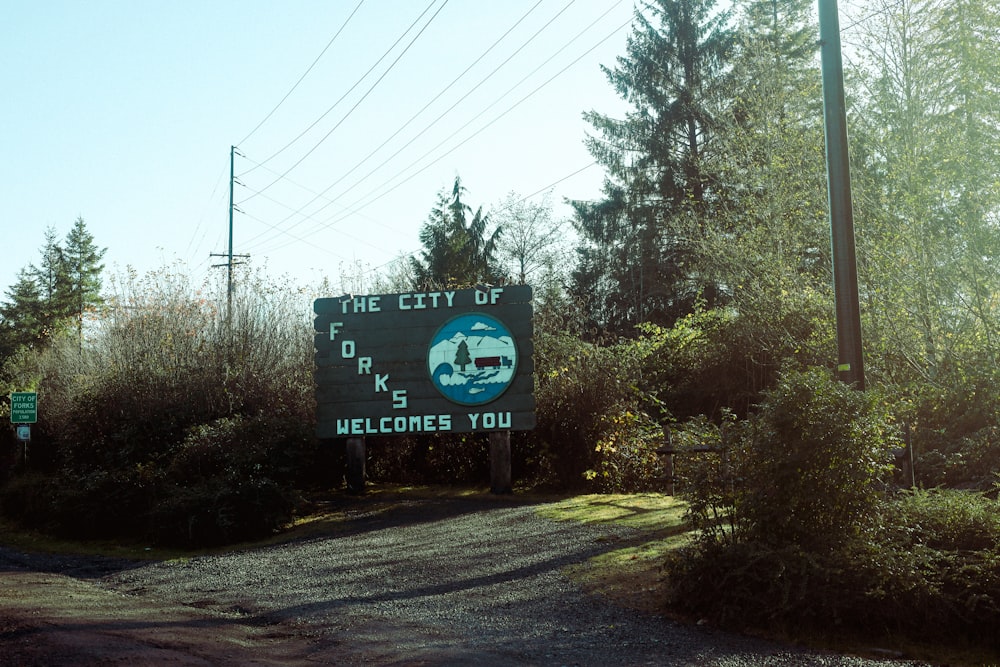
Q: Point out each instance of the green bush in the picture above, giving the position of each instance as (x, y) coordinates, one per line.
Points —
(802, 478)
(229, 481)
(955, 432)
(591, 431)
(934, 572)
(173, 420)
(721, 360)
(820, 455)
(811, 539)
(625, 455)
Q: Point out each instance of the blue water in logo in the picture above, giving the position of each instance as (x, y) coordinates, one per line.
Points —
(472, 359)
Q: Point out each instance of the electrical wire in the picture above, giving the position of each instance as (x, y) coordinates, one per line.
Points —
(363, 97)
(349, 90)
(287, 232)
(358, 205)
(436, 120)
(428, 104)
(474, 134)
(309, 69)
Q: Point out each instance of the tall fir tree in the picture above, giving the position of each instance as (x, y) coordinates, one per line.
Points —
(82, 262)
(51, 277)
(637, 243)
(55, 293)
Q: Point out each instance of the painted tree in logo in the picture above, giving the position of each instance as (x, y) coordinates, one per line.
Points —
(462, 358)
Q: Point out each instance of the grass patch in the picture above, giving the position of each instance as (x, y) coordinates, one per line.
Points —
(631, 575)
(648, 512)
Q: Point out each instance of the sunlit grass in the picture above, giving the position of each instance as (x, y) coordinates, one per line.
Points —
(640, 511)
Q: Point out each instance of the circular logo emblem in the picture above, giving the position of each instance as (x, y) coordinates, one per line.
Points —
(472, 359)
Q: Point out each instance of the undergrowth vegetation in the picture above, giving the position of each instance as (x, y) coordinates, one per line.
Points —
(180, 425)
(177, 421)
(802, 531)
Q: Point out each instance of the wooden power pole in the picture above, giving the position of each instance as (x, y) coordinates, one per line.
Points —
(850, 362)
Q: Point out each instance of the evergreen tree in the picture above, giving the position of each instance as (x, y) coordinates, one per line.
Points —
(459, 250)
(55, 292)
(82, 268)
(21, 316)
(637, 251)
(462, 357)
(51, 277)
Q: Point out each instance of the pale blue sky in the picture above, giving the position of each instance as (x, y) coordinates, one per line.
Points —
(123, 112)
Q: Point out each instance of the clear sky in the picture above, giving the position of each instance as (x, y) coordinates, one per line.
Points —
(123, 112)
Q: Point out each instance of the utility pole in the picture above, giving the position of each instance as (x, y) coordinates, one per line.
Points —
(850, 362)
(230, 255)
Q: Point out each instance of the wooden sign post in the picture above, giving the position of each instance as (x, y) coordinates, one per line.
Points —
(451, 361)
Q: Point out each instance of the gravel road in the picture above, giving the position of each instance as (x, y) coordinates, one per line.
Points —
(429, 582)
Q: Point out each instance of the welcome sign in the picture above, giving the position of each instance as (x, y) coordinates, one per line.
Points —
(446, 361)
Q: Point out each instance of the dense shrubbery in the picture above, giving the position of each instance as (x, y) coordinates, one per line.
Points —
(804, 532)
(168, 423)
(592, 430)
(461, 458)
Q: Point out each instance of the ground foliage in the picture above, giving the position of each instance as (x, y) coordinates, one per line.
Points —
(178, 420)
(802, 531)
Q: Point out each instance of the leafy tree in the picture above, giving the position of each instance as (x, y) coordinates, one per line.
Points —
(459, 250)
(637, 250)
(927, 191)
(532, 243)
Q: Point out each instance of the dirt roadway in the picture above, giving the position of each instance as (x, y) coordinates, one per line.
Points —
(55, 620)
(454, 582)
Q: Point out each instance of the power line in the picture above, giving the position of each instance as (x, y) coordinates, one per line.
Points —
(424, 108)
(363, 97)
(302, 187)
(477, 132)
(435, 121)
(304, 74)
(349, 90)
(287, 232)
(354, 206)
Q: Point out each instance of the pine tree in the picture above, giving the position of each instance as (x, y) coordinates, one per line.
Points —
(636, 257)
(21, 316)
(54, 293)
(81, 258)
(459, 250)
(50, 275)
(462, 358)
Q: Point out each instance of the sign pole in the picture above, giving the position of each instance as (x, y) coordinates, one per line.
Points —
(500, 477)
(356, 466)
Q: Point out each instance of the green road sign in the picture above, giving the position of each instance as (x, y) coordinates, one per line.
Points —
(23, 407)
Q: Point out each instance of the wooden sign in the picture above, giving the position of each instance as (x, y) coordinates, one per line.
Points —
(449, 361)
